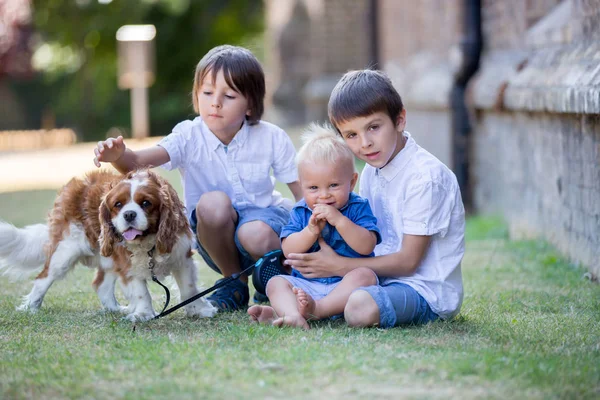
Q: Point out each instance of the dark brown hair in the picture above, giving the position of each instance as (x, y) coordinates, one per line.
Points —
(242, 72)
(362, 93)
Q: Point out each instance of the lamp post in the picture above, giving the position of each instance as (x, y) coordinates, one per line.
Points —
(136, 72)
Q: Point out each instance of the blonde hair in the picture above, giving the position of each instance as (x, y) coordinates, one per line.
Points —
(321, 143)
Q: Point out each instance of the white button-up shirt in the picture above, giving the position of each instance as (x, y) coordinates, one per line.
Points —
(416, 194)
(241, 169)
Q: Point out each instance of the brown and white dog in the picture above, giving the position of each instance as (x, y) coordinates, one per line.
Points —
(120, 225)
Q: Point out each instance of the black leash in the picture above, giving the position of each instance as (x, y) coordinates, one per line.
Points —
(151, 265)
(221, 283)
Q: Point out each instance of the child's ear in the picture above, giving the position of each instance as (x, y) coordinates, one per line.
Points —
(401, 120)
(353, 181)
(249, 112)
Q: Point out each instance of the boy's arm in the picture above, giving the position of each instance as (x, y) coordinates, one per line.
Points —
(298, 242)
(360, 239)
(301, 241)
(326, 261)
(113, 150)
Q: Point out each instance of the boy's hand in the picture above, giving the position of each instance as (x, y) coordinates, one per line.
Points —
(320, 264)
(109, 150)
(316, 225)
(328, 213)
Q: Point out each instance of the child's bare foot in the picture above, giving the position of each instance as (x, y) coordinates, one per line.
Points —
(294, 322)
(262, 314)
(306, 304)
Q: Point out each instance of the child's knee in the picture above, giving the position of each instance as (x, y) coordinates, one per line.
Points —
(362, 277)
(277, 283)
(214, 208)
(361, 310)
(258, 238)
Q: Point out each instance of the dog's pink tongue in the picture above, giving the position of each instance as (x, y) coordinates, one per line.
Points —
(131, 233)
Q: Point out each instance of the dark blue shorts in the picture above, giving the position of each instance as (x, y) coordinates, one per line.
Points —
(276, 217)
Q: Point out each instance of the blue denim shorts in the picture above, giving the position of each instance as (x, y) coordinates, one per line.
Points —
(400, 304)
(276, 217)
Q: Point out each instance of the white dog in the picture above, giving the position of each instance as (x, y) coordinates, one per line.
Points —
(128, 227)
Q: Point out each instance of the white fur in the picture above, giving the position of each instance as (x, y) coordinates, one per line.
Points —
(21, 247)
(176, 263)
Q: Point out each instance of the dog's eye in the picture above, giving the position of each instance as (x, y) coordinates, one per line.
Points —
(146, 204)
(118, 204)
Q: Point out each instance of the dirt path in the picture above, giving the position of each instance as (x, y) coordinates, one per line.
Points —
(51, 168)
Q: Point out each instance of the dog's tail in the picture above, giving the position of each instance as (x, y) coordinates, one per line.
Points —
(22, 249)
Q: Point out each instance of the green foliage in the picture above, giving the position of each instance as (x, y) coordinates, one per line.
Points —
(79, 84)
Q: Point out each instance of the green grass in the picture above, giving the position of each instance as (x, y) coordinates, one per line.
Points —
(528, 329)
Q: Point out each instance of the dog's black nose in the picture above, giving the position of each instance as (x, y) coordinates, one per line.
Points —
(129, 215)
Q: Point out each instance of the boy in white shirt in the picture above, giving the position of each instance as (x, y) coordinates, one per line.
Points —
(418, 206)
(225, 156)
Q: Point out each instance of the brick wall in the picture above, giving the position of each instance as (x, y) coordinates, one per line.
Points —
(536, 149)
(541, 171)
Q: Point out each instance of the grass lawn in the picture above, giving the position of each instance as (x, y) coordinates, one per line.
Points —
(529, 328)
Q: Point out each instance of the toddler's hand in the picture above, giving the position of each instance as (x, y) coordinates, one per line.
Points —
(316, 225)
(109, 150)
(328, 213)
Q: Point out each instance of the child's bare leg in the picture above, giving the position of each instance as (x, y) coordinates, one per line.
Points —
(216, 229)
(284, 303)
(335, 302)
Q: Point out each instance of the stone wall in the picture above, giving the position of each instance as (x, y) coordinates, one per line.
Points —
(541, 171)
(536, 148)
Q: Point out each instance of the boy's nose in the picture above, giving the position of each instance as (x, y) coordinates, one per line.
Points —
(366, 142)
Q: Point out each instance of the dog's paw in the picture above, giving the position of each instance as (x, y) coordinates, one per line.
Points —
(27, 307)
(140, 316)
(201, 308)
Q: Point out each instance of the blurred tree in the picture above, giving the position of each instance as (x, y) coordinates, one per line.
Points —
(75, 52)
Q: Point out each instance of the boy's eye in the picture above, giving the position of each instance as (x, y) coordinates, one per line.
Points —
(374, 127)
(312, 188)
(230, 96)
(334, 185)
(350, 135)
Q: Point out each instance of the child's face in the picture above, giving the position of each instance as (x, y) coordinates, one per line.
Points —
(221, 108)
(376, 139)
(326, 183)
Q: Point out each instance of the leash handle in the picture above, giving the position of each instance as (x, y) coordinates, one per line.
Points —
(210, 289)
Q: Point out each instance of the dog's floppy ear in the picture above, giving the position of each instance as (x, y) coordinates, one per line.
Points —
(172, 218)
(107, 238)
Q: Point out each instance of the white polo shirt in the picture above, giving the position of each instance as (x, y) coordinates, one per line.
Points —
(416, 194)
(241, 169)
